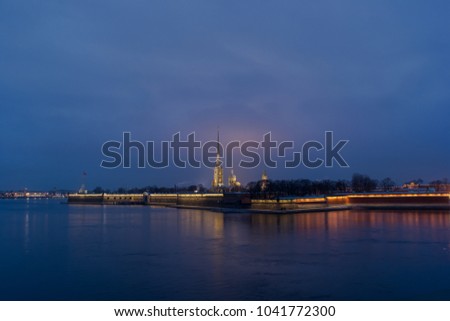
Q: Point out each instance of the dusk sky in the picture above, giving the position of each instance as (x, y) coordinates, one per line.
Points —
(75, 74)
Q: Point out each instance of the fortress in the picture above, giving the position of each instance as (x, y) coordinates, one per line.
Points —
(229, 198)
(243, 202)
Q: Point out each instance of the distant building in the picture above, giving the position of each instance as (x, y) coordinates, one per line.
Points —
(264, 181)
(411, 185)
(217, 182)
(82, 189)
(415, 187)
(233, 184)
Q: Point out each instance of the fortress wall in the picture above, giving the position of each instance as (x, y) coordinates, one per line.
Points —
(337, 200)
(123, 199)
(399, 199)
(242, 200)
(85, 198)
(106, 198)
(202, 200)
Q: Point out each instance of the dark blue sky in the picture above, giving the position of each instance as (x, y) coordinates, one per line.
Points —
(74, 74)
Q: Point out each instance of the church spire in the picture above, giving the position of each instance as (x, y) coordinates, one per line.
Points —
(218, 142)
(217, 182)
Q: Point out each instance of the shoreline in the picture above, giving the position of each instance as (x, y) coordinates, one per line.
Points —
(367, 207)
(230, 210)
(242, 203)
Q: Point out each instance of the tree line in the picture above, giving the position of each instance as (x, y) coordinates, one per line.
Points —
(359, 183)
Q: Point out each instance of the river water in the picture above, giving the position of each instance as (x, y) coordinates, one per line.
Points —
(54, 251)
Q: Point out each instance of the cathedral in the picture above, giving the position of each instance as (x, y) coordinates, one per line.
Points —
(233, 184)
(217, 183)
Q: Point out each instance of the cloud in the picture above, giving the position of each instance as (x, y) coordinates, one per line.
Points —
(77, 73)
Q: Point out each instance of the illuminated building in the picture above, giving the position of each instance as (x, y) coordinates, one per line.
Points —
(217, 183)
(264, 181)
(233, 184)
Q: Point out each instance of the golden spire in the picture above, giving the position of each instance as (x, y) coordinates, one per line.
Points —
(217, 182)
(218, 142)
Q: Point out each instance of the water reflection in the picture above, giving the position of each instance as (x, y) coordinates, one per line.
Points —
(201, 223)
(55, 251)
(26, 243)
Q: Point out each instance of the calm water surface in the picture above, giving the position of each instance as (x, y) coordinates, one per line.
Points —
(55, 251)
